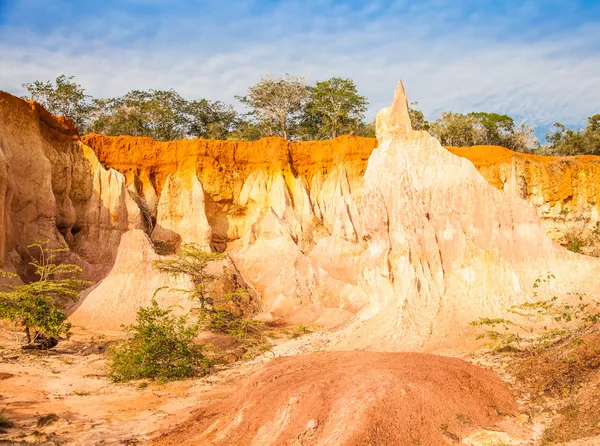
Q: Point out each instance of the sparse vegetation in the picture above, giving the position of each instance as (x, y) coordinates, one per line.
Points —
(39, 306)
(219, 312)
(554, 349)
(541, 323)
(161, 347)
(5, 423)
(47, 420)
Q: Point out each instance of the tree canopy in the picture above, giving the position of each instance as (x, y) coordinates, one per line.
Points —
(333, 107)
(563, 141)
(63, 97)
(275, 102)
(290, 108)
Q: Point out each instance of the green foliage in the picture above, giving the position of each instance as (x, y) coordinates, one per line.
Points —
(158, 114)
(39, 306)
(540, 323)
(479, 128)
(221, 321)
(222, 313)
(417, 119)
(574, 243)
(563, 141)
(64, 97)
(193, 261)
(211, 120)
(161, 347)
(333, 107)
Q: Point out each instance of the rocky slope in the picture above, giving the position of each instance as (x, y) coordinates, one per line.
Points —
(564, 190)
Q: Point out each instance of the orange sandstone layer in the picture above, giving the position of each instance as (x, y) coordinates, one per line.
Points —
(221, 165)
(564, 189)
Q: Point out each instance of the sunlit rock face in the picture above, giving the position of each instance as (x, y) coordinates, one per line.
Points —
(52, 188)
(399, 238)
(565, 190)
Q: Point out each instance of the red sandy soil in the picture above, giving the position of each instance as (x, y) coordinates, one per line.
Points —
(351, 398)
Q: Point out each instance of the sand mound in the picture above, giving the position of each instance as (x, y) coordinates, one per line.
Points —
(351, 398)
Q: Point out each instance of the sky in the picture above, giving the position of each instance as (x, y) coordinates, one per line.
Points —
(536, 60)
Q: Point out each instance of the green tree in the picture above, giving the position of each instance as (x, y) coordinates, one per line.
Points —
(455, 129)
(192, 261)
(63, 97)
(333, 107)
(211, 120)
(493, 128)
(276, 102)
(159, 114)
(161, 347)
(220, 312)
(563, 141)
(39, 306)
(417, 119)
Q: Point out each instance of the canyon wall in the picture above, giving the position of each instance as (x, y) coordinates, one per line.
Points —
(564, 189)
(398, 238)
(52, 188)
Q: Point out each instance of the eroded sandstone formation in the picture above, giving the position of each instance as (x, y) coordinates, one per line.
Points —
(416, 246)
(399, 237)
(564, 189)
(52, 188)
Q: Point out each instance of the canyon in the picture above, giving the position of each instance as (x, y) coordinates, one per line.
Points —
(391, 244)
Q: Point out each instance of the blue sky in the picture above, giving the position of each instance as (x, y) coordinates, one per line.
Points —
(538, 60)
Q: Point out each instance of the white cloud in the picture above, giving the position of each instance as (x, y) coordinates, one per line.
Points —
(544, 79)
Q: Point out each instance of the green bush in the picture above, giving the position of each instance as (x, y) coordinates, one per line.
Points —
(161, 347)
(225, 322)
(39, 306)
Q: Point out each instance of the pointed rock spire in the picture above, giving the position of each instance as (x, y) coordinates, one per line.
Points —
(396, 118)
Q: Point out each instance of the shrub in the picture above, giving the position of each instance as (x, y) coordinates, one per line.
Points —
(574, 242)
(47, 420)
(5, 423)
(161, 348)
(39, 306)
(221, 313)
(540, 323)
(192, 261)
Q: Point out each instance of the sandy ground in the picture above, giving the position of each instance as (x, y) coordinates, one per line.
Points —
(71, 382)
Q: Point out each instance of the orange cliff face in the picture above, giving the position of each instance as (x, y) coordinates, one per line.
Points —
(224, 168)
(564, 189)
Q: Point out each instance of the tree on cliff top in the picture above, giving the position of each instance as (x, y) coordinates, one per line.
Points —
(159, 114)
(38, 307)
(563, 141)
(276, 101)
(210, 119)
(333, 107)
(64, 97)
